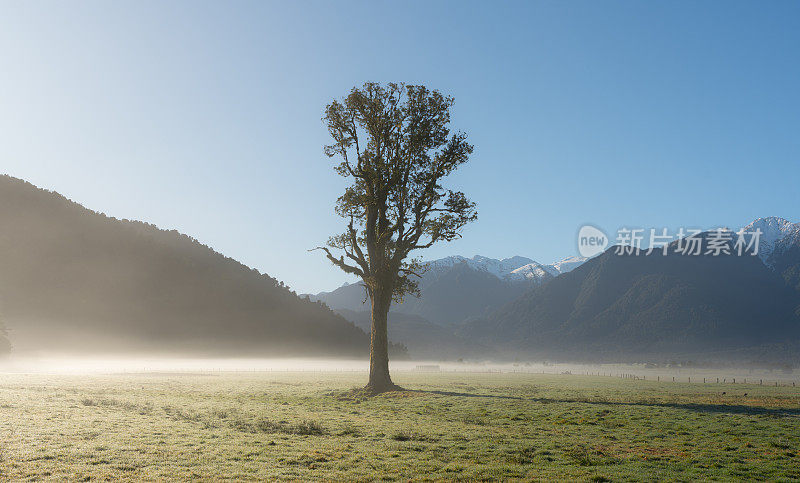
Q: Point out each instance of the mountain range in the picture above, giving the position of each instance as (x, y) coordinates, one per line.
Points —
(639, 305)
(780, 248)
(74, 280)
(510, 269)
(633, 306)
(456, 288)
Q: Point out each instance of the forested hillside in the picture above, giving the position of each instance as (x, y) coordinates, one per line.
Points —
(76, 280)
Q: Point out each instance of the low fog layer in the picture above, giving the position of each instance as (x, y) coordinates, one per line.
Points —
(52, 364)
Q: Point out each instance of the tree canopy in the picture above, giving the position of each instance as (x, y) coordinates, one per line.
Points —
(395, 144)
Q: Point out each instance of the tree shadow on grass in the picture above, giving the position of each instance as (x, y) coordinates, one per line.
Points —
(699, 407)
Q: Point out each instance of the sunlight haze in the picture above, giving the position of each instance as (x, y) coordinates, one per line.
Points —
(205, 119)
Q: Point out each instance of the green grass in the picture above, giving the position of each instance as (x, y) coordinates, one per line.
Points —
(446, 426)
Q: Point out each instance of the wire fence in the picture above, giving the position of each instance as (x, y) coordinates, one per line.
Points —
(788, 380)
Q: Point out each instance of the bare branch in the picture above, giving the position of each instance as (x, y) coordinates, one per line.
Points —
(339, 262)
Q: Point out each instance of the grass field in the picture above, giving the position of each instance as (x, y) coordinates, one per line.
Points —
(445, 426)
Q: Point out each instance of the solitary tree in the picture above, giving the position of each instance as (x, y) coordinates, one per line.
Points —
(394, 144)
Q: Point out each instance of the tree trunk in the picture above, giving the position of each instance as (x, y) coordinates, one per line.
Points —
(379, 380)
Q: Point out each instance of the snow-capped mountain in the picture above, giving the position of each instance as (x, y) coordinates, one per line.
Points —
(775, 233)
(565, 265)
(511, 269)
(530, 271)
(456, 288)
(499, 268)
(541, 272)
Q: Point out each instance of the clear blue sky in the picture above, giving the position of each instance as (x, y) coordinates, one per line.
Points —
(205, 117)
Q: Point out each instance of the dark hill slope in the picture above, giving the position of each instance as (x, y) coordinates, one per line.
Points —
(75, 280)
(449, 295)
(785, 260)
(618, 305)
(424, 339)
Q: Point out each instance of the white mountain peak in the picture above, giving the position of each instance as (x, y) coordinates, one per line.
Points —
(515, 268)
(498, 268)
(529, 271)
(567, 265)
(773, 231)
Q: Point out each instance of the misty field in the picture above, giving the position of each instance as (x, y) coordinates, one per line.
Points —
(445, 426)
